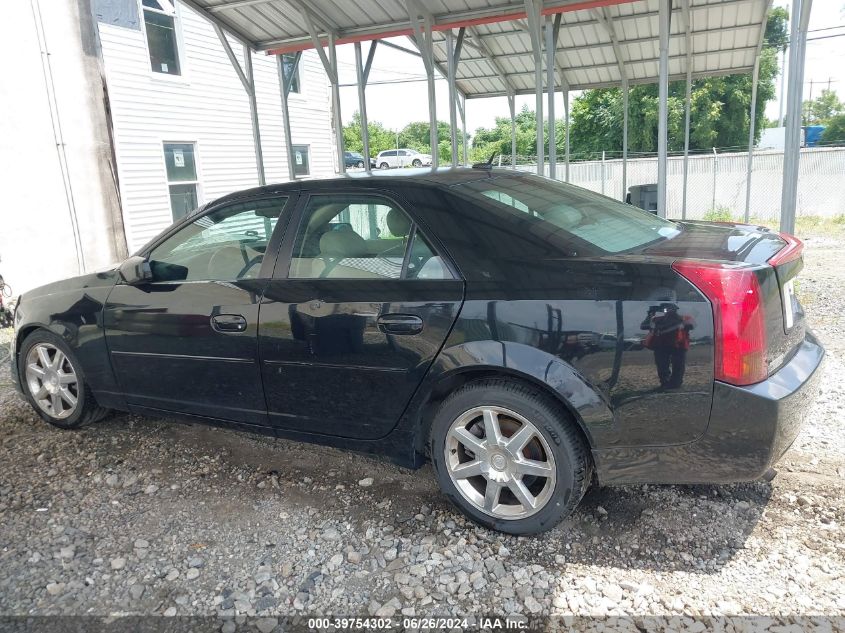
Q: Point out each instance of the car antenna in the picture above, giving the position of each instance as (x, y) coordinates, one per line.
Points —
(488, 164)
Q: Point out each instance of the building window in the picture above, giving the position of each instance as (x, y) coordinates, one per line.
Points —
(180, 161)
(160, 22)
(288, 62)
(301, 162)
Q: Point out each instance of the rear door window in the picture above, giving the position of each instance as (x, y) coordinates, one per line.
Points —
(361, 237)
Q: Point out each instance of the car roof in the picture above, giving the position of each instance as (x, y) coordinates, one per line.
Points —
(442, 177)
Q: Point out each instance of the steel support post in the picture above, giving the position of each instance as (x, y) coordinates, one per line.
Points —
(330, 66)
(603, 172)
(625, 91)
(603, 16)
(687, 99)
(792, 150)
(253, 116)
(715, 175)
(687, 102)
(284, 89)
(532, 9)
(453, 56)
(464, 126)
(245, 74)
(753, 115)
(512, 108)
(337, 120)
(663, 109)
(422, 37)
(566, 136)
(362, 103)
(752, 123)
(551, 44)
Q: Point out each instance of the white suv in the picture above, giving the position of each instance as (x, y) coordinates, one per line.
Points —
(402, 158)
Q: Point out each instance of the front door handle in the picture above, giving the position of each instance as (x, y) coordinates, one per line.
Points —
(400, 324)
(228, 323)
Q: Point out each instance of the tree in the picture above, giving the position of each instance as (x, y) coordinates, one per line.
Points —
(835, 130)
(380, 137)
(823, 108)
(719, 111)
(777, 29)
(414, 136)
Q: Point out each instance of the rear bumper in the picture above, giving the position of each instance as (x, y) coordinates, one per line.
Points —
(750, 429)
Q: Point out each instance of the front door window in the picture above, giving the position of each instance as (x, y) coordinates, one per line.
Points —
(227, 244)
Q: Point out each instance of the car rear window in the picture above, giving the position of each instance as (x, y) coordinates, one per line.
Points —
(601, 223)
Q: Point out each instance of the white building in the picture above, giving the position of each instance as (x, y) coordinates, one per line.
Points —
(172, 131)
(181, 117)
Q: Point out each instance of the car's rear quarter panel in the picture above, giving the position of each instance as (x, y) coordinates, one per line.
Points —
(584, 314)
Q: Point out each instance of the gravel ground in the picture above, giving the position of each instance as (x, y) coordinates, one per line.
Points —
(146, 516)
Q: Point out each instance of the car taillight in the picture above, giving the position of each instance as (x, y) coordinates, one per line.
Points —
(738, 319)
(792, 251)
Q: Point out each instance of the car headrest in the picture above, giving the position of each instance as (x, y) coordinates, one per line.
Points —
(398, 223)
(342, 244)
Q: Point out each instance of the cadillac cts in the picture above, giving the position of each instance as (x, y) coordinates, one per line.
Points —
(526, 336)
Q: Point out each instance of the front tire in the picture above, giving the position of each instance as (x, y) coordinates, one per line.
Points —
(54, 384)
(384, 166)
(417, 162)
(360, 165)
(507, 458)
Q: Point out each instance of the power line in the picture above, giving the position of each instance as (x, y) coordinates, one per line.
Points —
(825, 37)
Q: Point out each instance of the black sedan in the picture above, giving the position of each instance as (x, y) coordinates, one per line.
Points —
(524, 335)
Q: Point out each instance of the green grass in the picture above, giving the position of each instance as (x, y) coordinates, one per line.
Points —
(805, 225)
(810, 225)
(720, 214)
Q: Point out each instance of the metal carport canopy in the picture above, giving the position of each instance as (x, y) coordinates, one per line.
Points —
(497, 57)
(502, 48)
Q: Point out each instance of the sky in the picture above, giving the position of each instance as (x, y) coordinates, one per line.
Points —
(396, 104)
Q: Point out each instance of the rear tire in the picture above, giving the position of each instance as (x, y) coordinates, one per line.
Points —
(530, 477)
(54, 384)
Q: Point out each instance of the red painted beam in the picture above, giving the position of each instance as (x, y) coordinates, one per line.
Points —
(445, 26)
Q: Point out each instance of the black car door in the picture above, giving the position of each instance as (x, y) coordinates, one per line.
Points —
(360, 304)
(186, 340)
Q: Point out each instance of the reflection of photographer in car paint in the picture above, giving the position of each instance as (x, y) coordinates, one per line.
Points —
(669, 338)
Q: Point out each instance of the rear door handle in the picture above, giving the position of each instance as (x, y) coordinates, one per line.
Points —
(400, 324)
(228, 323)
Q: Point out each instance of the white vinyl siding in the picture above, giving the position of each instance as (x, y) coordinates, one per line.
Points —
(207, 105)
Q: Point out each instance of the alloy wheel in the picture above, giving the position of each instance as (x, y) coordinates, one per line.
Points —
(500, 462)
(52, 380)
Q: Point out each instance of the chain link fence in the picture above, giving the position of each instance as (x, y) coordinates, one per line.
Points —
(716, 183)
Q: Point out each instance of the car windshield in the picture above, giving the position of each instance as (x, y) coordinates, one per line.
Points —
(552, 207)
(412, 151)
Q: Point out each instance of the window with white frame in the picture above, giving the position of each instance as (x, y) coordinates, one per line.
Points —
(181, 165)
(291, 69)
(301, 160)
(162, 39)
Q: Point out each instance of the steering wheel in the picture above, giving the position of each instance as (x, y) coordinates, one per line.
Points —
(255, 260)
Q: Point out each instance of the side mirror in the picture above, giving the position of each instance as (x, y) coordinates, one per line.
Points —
(135, 270)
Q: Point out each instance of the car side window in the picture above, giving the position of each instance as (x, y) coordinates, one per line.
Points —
(361, 237)
(225, 245)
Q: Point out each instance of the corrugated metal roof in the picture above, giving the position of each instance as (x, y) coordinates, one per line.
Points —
(497, 55)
